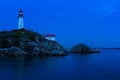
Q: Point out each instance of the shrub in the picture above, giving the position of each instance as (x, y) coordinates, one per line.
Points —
(17, 34)
(4, 32)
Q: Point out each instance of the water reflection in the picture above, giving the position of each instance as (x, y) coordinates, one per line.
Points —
(105, 65)
(14, 67)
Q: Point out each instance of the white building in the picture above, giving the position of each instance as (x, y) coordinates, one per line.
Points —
(20, 20)
(50, 37)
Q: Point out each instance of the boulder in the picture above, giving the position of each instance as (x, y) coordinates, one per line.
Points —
(52, 48)
(15, 51)
(4, 51)
(52, 45)
(33, 48)
(58, 53)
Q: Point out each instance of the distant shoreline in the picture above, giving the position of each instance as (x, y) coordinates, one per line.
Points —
(106, 48)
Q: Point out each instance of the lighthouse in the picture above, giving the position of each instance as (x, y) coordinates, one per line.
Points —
(20, 20)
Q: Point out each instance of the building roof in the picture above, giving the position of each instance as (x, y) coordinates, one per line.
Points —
(49, 35)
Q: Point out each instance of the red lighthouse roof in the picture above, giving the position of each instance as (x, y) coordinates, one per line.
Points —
(49, 35)
(20, 13)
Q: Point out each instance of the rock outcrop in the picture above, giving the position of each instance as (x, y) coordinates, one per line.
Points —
(81, 48)
(28, 43)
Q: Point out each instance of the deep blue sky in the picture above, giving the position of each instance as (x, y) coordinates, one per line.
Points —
(93, 22)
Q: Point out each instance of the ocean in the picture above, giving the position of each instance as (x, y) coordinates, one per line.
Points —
(97, 66)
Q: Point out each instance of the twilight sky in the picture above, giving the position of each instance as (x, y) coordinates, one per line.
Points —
(93, 22)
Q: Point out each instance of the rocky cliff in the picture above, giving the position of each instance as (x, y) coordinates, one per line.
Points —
(28, 43)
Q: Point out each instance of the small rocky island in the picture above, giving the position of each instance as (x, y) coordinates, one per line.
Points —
(83, 49)
(28, 43)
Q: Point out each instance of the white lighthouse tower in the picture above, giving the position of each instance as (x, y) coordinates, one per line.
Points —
(20, 20)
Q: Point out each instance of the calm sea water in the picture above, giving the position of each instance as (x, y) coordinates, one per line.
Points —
(100, 66)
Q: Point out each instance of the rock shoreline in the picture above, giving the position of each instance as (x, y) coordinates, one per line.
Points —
(28, 43)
